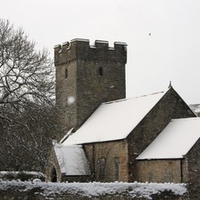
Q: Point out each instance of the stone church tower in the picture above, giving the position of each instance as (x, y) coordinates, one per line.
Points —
(86, 76)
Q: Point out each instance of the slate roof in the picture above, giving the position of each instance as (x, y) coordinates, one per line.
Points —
(72, 159)
(114, 120)
(174, 141)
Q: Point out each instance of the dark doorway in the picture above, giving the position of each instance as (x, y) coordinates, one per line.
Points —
(53, 175)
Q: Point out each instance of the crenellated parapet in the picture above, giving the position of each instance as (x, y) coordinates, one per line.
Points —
(81, 49)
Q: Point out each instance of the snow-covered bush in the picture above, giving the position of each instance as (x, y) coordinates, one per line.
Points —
(22, 176)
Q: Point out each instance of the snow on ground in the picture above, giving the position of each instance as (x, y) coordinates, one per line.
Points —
(97, 189)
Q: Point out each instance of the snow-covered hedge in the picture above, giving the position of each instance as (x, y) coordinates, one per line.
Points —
(21, 175)
(90, 190)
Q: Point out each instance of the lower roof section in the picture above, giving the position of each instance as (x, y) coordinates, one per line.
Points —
(72, 160)
(175, 141)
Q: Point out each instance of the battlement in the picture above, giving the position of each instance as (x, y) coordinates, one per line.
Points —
(81, 49)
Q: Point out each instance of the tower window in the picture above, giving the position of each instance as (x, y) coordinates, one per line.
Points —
(66, 73)
(100, 71)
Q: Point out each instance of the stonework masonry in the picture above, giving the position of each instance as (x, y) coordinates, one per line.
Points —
(87, 75)
(171, 106)
(159, 170)
(192, 163)
(110, 151)
(51, 166)
(184, 170)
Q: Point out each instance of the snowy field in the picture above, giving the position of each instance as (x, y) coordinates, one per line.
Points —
(95, 189)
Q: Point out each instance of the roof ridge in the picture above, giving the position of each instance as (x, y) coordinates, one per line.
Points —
(186, 119)
(130, 98)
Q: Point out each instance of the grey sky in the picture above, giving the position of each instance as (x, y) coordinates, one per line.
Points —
(170, 53)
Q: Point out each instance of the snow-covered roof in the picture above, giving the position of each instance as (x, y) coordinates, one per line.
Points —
(114, 120)
(72, 159)
(174, 141)
(195, 107)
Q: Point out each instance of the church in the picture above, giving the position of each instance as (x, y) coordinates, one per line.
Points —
(107, 137)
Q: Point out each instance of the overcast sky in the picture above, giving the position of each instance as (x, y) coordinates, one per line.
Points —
(170, 53)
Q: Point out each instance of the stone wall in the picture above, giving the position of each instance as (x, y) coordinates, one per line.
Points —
(112, 152)
(89, 74)
(86, 76)
(171, 106)
(193, 163)
(159, 171)
(52, 169)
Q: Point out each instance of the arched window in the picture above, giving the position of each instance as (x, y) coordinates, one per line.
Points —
(150, 177)
(117, 168)
(169, 175)
(102, 164)
(53, 175)
(100, 71)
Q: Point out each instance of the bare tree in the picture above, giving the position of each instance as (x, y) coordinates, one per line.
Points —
(26, 144)
(25, 74)
(28, 121)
